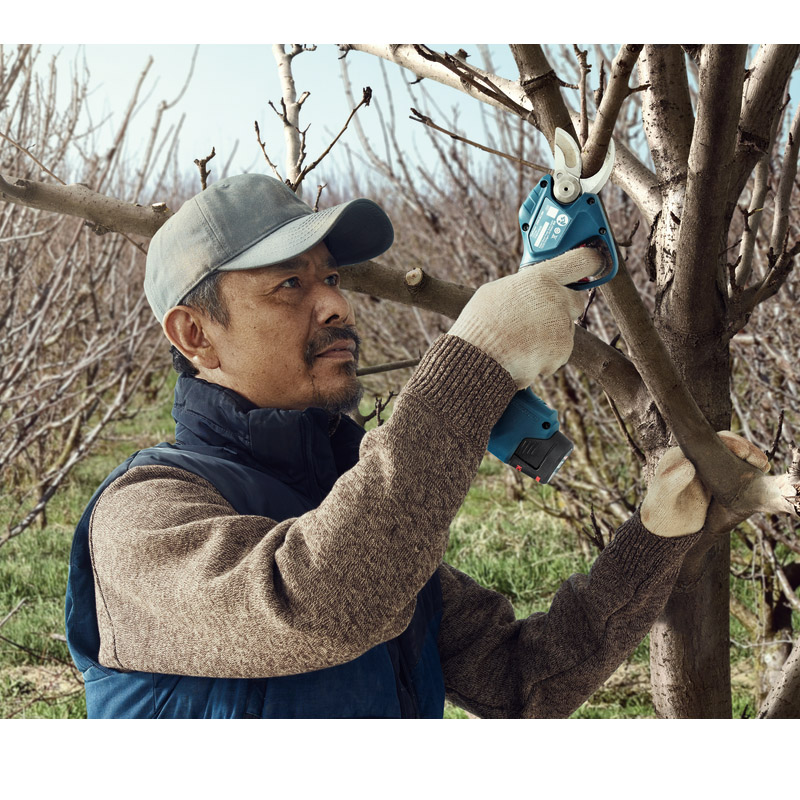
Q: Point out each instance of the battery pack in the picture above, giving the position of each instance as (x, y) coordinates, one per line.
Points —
(541, 459)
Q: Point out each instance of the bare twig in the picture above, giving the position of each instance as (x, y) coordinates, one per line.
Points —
(13, 611)
(411, 362)
(366, 96)
(425, 120)
(112, 158)
(582, 319)
(585, 68)
(40, 656)
(777, 439)
(380, 407)
(201, 164)
(786, 587)
(320, 187)
(263, 147)
(594, 534)
(601, 85)
(32, 157)
(635, 449)
(629, 240)
(163, 107)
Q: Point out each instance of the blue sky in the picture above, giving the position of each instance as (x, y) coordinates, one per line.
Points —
(231, 86)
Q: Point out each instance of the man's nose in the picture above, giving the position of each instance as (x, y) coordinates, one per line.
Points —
(332, 307)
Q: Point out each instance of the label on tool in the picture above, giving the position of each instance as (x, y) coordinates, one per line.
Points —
(549, 226)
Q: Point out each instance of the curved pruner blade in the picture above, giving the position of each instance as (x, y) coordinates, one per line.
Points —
(566, 154)
(594, 183)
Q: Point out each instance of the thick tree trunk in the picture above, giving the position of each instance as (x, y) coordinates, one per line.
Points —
(689, 648)
(690, 644)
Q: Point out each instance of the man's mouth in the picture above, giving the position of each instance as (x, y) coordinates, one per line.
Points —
(333, 343)
(343, 349)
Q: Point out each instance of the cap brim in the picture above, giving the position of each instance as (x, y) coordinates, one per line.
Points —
(353, 232)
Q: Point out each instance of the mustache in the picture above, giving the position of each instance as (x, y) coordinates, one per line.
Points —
(325, 337)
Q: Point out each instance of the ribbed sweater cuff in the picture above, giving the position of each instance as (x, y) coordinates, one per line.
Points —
(463, 383)
(639, 553)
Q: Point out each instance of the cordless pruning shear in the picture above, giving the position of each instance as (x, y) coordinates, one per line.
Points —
(562, 212)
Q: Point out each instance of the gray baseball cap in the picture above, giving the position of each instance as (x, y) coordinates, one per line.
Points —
(251, 221)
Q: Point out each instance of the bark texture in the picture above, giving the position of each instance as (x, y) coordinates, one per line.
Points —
(783, 701)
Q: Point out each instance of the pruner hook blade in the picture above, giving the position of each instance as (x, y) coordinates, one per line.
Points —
(567, 168)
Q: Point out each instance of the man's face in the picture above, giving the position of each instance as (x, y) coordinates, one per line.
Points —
(291, 341)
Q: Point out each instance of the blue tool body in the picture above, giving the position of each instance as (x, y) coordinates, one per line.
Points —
(550, 228)
(527, 436)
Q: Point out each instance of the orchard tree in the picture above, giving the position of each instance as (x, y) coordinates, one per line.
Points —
(698, 130)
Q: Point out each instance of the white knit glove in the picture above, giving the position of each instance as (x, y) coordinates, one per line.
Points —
(677, 501)
(524, 321)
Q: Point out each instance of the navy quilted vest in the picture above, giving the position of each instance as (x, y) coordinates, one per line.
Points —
(278, 464)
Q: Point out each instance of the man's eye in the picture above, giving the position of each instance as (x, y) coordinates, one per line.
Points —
(291, 283)
(333, 280)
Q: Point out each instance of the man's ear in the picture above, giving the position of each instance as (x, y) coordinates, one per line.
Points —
(185, 328)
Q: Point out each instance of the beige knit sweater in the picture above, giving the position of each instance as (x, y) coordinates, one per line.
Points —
(185, 585)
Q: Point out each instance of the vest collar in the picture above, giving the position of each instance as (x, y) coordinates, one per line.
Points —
(306, 449)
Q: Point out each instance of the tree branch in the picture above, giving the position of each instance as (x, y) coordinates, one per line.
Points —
(596, 145)
(740, 274)
(668, 122)
(637, 181)
(585, 68)
(372, 278)
(695, 301)
(667, 115)
(614, 373)
(543, 90)
(107, 213)
(425, 120)
(366, 96)
(788, 174)
(763, 91)
(291, 109)
(738, 486)
(605, 364)
(406, 56)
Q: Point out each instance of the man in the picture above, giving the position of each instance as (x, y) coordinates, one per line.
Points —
(277, 562)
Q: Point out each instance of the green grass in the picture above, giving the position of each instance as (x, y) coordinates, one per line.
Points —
(37, 678)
